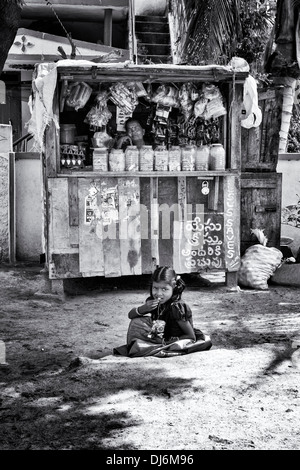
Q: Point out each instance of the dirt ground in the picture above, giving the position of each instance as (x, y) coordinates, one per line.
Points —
(63, 389)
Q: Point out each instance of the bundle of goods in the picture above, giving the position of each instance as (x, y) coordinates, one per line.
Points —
(99, 114)
(102, 142)
(210, 103)
(102, 139)
(258, 263)
(124, 96)
(167, 96)
(139, 89)
(207, 132)
(186, 92)
(78, 95)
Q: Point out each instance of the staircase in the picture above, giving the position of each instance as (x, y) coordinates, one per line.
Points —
(153, 40)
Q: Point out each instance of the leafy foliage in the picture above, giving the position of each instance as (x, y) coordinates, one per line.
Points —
(222, 29)
(256, 25)
(293, 145)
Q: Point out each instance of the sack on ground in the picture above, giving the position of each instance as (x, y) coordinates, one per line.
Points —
(258, 264)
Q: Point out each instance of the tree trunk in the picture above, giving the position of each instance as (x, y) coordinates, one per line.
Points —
(10, 16)
(288, 95)
(284, 62)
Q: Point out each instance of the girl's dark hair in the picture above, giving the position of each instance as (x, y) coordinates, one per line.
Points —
(167, 274)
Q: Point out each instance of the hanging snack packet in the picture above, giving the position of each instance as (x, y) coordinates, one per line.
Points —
(124, 97)
(186, 104)
(99, 114)
(166, 95)
(79, 95)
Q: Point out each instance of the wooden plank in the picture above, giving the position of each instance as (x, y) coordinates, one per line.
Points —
(182, 232)
(168, 211)
(272, 122)
(110, 229)
(213, 195)
(107, 35)
(256, 182)
(59, 214)
(207, 237)
(63, 95)
(45, 214)
(260, 144)
(144, 174)
(73, 201)
(91, 257)
(12, 208)
(231, 279)
(145, 212)
(156, 72)
(73, 212)
(232, 223)
(234, 157)
(64, 266)
(52, 152)
(154, 231)
(261, 208)
(129, 226)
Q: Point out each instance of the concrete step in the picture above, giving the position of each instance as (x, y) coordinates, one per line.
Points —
(155, 49)
(155, 59)
(151, 26)
(151, 19)
(153, 37)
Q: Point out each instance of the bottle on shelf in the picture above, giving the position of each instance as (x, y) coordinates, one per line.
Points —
(146, 158)
(174, 158)
(188, 157)
(202, 158)
(217, 157)
(161, 158)
(132, 158)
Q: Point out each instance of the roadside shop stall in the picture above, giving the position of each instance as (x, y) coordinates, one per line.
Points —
(117, 204)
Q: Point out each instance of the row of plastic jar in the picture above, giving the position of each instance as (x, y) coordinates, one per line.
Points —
(188, 158)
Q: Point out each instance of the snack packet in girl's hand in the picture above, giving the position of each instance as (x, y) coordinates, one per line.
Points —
(157, 329)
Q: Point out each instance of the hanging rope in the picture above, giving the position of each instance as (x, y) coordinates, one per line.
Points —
(68, 35)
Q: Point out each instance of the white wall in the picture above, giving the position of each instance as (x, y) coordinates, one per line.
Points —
(29, 217)
(290, 170)
(150, 7)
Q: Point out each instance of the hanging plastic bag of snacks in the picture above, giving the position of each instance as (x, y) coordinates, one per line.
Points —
(186, 103)
(124, 97)
(214, 107)
(200, 106)
(166, 95)
(99, 114)
(139, 89)
(79, 95)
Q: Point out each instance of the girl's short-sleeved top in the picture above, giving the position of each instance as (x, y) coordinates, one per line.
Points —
(173, 313)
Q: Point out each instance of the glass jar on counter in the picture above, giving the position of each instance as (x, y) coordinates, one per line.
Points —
(100, 159)
(132, 158)
(174, 158)
(116, 160)
(202, 158)
(217, 157)
(161, 158)
(188, 157)
(146, 158)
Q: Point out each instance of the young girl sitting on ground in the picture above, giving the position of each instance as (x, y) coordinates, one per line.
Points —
(169, 323)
